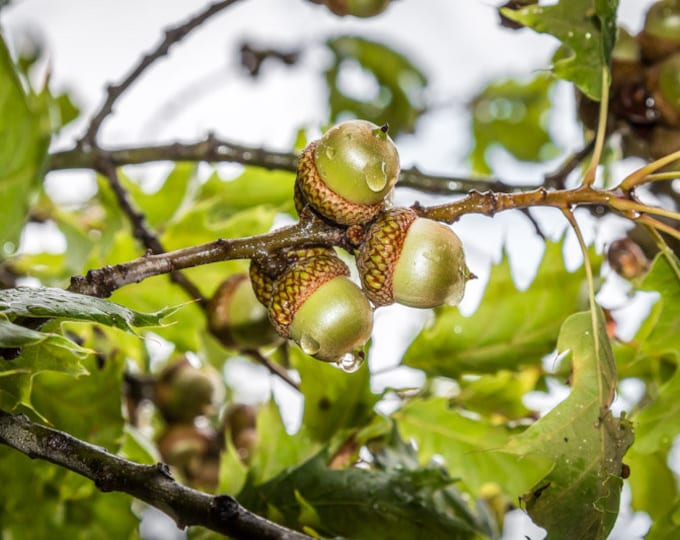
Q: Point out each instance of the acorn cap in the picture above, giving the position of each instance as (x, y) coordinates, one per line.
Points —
(297, 283)
(413, 261)
(315, 304)
(263, 283)
(379, 253)
(324, 200)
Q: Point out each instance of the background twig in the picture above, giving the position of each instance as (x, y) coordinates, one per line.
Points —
(113, 92)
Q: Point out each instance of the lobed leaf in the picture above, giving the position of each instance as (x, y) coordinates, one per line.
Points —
(510, 329)
(579, 497)
(395, 505)
(50, 303)
(587, 30)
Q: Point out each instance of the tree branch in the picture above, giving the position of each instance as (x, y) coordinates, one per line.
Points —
(314, 231)
(152, 484)
(103, 281)
(213, 149)
(113, 92)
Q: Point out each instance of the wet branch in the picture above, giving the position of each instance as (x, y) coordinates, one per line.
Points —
(152, 484)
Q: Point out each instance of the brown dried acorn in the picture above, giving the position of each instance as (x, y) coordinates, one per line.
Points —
(413, 261)
(346, 175)
(315, 304)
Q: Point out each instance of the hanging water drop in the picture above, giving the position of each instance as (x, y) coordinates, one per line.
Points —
(351, 361)
(309, 345)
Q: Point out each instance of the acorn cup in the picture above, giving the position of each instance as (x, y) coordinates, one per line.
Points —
(314, 303)
(413, 261)
(347, 174)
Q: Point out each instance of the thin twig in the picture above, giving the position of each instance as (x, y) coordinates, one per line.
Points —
(103, 281)
(113, 92)
(144, 234)
(558, 178)
(273, 367)
(152, 484)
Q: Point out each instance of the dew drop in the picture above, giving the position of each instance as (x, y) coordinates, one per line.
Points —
(454, 298)
(351, 361)
(588, 35)
(375, 176)
(309, 345)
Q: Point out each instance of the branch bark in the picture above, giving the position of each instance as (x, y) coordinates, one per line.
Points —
(213, 149)
(152, 484)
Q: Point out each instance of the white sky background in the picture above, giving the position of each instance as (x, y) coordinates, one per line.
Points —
(458, 44)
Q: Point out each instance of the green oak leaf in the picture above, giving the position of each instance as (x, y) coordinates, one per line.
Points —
(579, 497)
(394, 505)
(401, 84)
(467, 445)
(510, 329)
(334, 400)
(506, 108)
(24, 137)
(51, 303)
(587, 30)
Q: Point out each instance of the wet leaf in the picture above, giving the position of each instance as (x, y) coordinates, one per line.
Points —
(587, 30)
(579, 497)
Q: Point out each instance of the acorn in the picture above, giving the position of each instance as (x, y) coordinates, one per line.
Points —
(413, 261)
(347, 174)
(663, 80)
(237, 318)
(357, 8)
(183, 392)
(661, 34)
(314, 303)
(194, 452)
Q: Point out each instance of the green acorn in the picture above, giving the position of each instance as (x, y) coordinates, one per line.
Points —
(357, 8)
(346, 175)
(237, 318)
(315, 304)
(413, 261)
(661, 34)
(663, 80)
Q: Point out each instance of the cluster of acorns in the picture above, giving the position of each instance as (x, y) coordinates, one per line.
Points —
(346, 178)
(645, 90)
